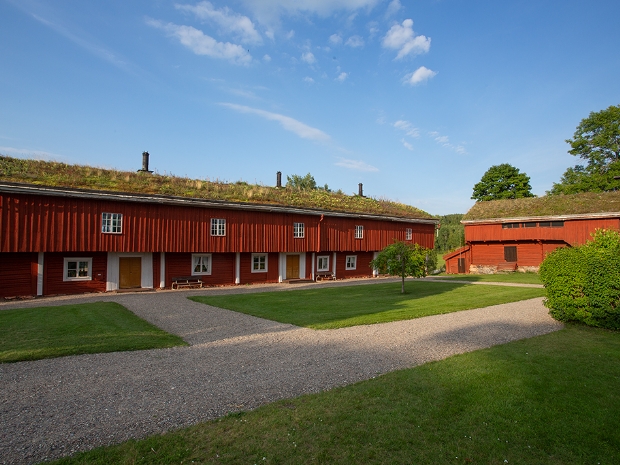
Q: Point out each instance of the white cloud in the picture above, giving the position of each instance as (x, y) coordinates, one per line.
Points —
(355, 165)
(308, 57)
(335, 39)
(393, 8)
(355, 41)
(309, 80)
(34, 154)
(403, 39)
(342, 77)
(297, 127)
(444, 141)
(202, 44)
(231, 23)
(407, 145)
(290, 34)
(420, 75)
(407, 128)
(266, 58)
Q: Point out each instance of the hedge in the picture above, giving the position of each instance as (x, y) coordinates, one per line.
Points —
(583, 283)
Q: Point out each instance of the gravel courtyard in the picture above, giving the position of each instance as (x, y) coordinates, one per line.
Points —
(52, 408)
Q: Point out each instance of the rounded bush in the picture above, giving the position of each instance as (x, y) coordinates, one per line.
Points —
(583, 283)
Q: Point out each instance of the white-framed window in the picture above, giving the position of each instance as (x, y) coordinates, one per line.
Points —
(201, 264)
(112, 223)
(408, 234)
(298, 230)
(259, 263)
(323, 263)
(351, 262)
(218, 226)
(359, 231)
(78, 269)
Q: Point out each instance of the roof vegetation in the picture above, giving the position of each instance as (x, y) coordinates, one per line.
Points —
(54, 174)
(548, 205)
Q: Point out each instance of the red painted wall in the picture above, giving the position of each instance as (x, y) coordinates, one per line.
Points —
(18, 274)
(222, 268)
(271, 276)
(362, 267)
(53, 272)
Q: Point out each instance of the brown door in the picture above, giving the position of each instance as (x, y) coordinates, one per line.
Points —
(130, 272)
(461, 265)
(292, 266)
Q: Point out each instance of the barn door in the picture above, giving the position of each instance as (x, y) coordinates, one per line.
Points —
(292, 266)
(130, 272)
(461, 265)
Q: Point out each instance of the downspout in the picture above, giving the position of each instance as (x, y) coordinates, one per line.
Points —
(318, 246)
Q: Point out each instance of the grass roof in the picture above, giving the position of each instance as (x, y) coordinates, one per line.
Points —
(548, 205)
(45, 173)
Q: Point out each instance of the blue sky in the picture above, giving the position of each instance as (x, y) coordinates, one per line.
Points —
(416, 99)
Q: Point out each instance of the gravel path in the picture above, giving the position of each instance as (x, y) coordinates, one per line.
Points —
(52, 408)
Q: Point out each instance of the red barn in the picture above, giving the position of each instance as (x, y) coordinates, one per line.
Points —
(518, 234)
(66, 241)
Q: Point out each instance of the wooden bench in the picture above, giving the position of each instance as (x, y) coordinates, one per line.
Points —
(189, 282)
(509, 266)
(322, 276)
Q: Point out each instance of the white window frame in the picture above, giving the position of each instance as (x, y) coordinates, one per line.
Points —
(111, 223)
(318, 263)
(265, 259)
(408, 234)
(78, 261)
(359, 231)
(218, 227)
(298, 230)
(351, 262)
(198, 259)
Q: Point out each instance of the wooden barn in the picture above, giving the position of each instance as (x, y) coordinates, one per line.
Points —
(517, 234)
(57, 240)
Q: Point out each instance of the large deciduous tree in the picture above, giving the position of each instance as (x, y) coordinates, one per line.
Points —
(597, 141)
(402, 259)
(502, 182)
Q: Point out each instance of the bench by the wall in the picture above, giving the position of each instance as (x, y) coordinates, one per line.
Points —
(189, 282)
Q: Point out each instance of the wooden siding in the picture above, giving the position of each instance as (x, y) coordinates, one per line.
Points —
(18, 274)
(271, 276)
(528, 253)
(452, 260)
(53, 272)
(34, 223)
(362, 268)
(180, 264)
(573, 232)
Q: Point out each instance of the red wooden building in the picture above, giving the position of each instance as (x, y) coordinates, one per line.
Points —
(67, 241)
(518, 234)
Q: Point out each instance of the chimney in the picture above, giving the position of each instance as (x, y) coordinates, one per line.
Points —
(145, 163)
(279, 179)
(361, 189)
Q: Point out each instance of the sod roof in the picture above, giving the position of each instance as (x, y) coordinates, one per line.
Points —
(54, 174)
(548, 205)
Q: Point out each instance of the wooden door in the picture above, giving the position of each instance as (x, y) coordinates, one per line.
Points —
(461, 265)
(130, 272)
(292, 267)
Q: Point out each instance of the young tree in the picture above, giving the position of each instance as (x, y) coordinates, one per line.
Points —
(402, 259)
(304, 183)
(596, 140)
(502, 182)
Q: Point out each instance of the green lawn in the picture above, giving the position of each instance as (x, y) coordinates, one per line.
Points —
(44, 332)
(552, 399)
(338, 307)
(520, 278)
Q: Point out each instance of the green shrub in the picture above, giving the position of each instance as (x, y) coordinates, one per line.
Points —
(583, 283)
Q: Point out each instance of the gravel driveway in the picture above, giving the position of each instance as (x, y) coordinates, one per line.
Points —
(52, 408)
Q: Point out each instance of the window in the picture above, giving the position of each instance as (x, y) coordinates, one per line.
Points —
(359, 231)
(112, 223)
(323, 263)
(511, 225)
(544, 224)
(259, 263)
(218, 227)
(298, 230)
(78, 269)
(408, 234)
(557, 224)
(201, 264)
(510, 253)
(529, 224)
(351, 262)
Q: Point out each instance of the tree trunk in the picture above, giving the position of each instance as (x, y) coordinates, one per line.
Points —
(402, 287)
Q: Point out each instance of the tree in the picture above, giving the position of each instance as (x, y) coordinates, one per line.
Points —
(304, 183)
(596, 140)
(502, 182)
(402, 259)
(451, 235)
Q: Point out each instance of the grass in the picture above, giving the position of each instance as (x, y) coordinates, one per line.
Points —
(44, 332)
(520, 278)
(86, 177)
(552, 399)
(338, 307)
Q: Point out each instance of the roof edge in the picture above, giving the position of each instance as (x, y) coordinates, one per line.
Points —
(577, 216)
